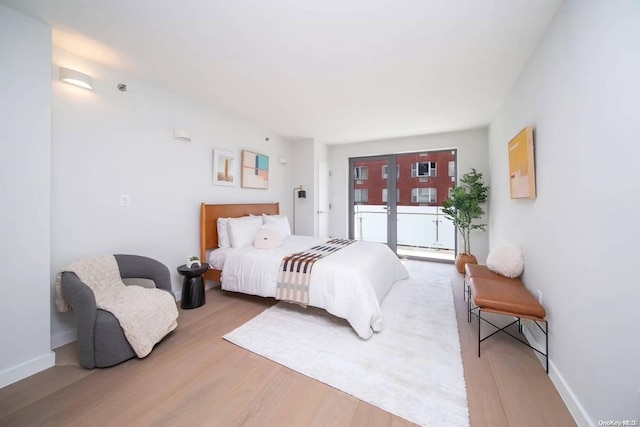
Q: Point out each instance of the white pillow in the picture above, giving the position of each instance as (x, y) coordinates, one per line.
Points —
(243, 230)
(506, 260)
(267, 238)
(278, 222)
(223, 234)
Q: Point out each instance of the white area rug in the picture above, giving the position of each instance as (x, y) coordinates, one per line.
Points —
(413, 368)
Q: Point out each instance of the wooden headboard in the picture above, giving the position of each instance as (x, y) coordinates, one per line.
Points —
(209, 215)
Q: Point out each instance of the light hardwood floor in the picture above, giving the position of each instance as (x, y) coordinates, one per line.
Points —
(196, 378)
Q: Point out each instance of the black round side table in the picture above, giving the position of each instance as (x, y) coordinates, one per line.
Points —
(193, 286)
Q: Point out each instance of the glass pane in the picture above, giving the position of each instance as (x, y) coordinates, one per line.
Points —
(422, 229)
(412, 216)
(370, 200)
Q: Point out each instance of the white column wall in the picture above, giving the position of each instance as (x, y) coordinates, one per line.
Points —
(303, 173)
(321, 152)
(25, 167)
(580, 91)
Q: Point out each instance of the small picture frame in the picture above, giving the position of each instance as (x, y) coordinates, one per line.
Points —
(225, 168)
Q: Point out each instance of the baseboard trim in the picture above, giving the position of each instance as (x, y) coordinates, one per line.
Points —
(64, 338)
(208, 285)
(574, 406)
(27, 369)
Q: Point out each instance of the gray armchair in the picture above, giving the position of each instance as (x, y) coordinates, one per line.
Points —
(101, 340)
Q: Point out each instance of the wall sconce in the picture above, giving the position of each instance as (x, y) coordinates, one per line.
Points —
(301, 195)
(76, 78)
(181, 135)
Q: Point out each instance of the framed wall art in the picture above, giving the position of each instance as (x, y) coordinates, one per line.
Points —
(255, 170)
(225, 165)
(522, 174)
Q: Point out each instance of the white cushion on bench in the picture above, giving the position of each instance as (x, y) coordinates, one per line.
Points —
(506, 260)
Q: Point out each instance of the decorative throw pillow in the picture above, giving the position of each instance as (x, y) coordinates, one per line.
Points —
(267, 238)
(243, 230)
(506, 260)
(223, 234)
(278, 222)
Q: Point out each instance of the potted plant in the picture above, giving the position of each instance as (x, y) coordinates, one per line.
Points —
(463, 208)
(193, 260)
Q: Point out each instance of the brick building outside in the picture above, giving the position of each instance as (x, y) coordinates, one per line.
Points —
(423, 179)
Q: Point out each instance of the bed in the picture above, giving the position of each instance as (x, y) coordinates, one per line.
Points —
(349, 284)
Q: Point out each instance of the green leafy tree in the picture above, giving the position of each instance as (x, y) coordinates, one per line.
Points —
(464, 205)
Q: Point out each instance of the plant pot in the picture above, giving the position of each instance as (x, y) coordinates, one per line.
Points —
(193, 262)
(464, 259)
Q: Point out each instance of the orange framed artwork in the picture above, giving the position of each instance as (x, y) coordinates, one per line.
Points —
(255, 170)
(522, 174)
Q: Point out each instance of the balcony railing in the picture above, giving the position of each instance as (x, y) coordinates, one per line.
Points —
(421, 230)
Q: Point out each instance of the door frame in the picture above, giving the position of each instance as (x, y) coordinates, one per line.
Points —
(392, 203)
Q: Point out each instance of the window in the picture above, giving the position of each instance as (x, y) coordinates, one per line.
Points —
(452, 168)
(422, 169)
(385, 171)
(450, 191)
(384, 195)
(424, 195)
(361, 196)
(361, 172)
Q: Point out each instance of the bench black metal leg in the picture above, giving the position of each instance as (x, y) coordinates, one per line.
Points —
(545, 331)
(546, 339)
(464, 289)
(479, 322)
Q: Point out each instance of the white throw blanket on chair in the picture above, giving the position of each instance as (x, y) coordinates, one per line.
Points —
(145, 315)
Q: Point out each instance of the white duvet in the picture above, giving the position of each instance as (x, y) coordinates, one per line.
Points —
(350, 283)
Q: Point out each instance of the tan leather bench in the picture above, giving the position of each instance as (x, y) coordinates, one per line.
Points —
(476, 270)
(490, 292)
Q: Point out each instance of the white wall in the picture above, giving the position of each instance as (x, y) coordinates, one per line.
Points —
(580, 91)
(321, 154)
(472, 153)
(303, 156)
(107, 143)
(25, 154)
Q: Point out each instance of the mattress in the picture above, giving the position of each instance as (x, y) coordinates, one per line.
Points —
(350, 283)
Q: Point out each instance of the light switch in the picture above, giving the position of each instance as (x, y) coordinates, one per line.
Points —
(124, 200)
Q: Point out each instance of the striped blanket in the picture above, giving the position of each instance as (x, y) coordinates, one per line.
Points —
(295, 271)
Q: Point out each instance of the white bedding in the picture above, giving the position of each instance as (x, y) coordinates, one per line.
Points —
(216, 257)
(350, 283)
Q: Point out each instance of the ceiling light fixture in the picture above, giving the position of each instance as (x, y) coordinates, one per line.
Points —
(76, 78)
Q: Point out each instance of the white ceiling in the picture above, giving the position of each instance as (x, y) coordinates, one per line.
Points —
(334, 70)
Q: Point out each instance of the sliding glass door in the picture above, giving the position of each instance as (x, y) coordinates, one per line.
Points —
(372, 197)
(397, 199)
